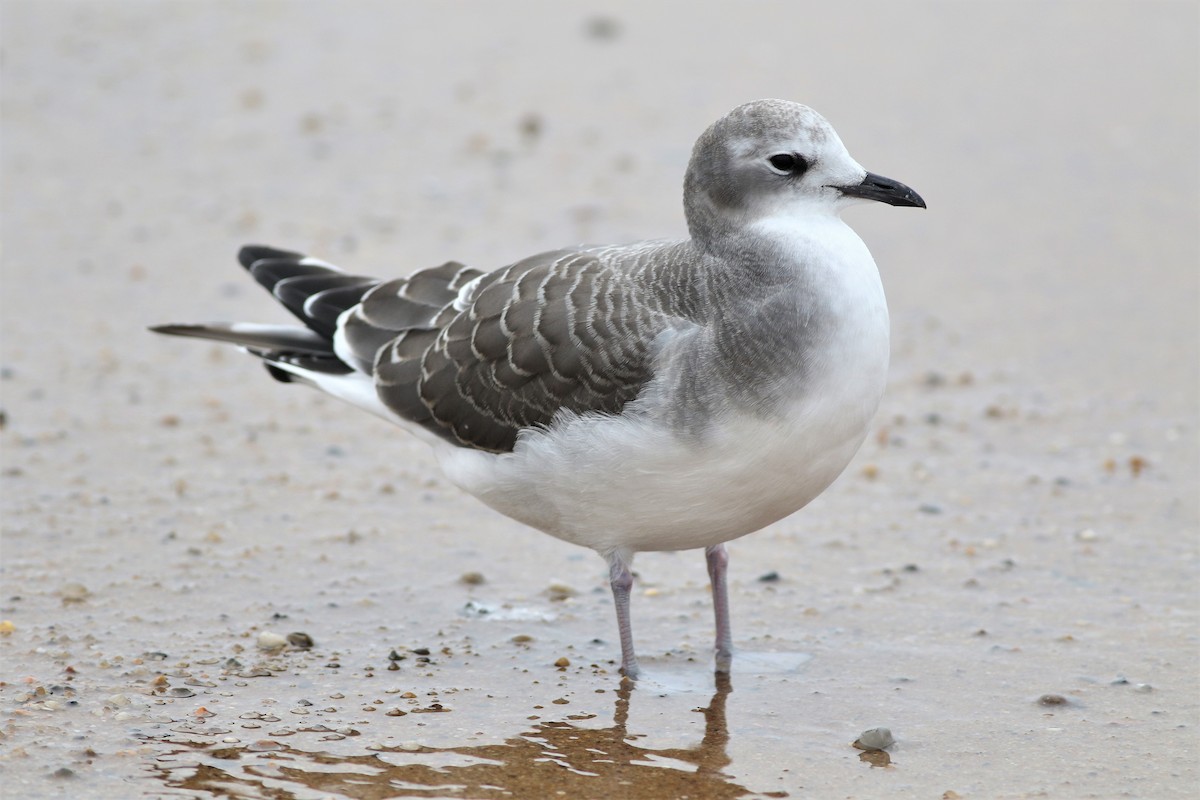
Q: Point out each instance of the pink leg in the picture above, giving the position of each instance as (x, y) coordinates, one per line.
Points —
(718, 562)
(622, 581)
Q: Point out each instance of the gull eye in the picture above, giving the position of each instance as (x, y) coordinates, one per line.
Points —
(788, 164)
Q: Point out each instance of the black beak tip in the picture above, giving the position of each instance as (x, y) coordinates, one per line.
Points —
(884, 190)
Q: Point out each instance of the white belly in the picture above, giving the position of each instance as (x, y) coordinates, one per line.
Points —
(629, 484)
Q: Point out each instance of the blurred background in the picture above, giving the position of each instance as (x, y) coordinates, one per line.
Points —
(1054, 142)
(1035, 461)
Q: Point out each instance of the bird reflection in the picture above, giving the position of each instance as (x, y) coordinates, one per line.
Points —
(556, 758)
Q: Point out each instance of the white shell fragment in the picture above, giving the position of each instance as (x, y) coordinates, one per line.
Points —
(270, 641)
(875, 739)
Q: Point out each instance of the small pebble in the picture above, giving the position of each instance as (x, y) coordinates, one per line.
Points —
(602, 28)
(255, 672)
(473, 608)
(1053, 700)
(472, 578)
(770, 577)
(563, 662)
(299, 639)
(874, 739)
(73, 593)
(557, 590)
(1143, 688)
(270, 641)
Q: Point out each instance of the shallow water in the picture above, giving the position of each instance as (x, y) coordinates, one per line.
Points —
(1021, 523)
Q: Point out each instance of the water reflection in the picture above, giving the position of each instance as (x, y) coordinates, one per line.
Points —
(556, 758)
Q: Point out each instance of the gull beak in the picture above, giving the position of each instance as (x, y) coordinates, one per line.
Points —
(885, 190)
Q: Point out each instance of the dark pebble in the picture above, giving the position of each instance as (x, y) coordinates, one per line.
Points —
(300, 640)
(602, 28)
(770, 577)
(1053, 700)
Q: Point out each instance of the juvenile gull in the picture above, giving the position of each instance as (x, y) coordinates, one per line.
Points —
(662, 395)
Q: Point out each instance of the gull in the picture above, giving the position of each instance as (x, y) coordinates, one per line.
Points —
(661, 395)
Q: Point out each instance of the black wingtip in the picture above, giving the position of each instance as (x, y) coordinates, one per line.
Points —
(257, 252)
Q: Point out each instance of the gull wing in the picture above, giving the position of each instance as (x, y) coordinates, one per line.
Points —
(561, 331)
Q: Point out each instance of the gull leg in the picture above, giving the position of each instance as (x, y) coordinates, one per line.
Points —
(622, 581)
(718, 562)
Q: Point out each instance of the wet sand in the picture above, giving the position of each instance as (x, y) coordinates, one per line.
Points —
(1006, 576)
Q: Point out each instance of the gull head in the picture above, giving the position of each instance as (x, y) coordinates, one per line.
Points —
(776, 158)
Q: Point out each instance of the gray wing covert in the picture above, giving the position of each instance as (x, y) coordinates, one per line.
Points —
(558, 331)
(400, 305)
